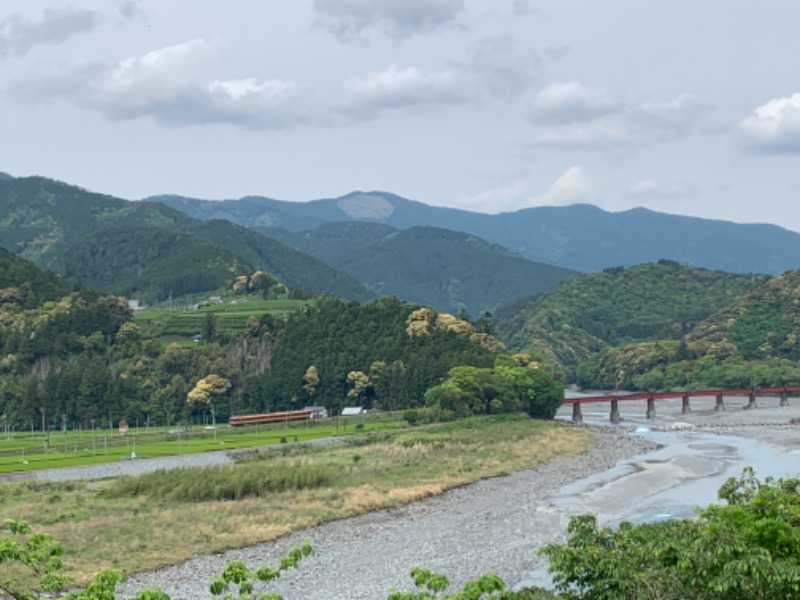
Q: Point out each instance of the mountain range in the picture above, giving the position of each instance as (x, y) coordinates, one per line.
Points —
(151, 251)
(579, 237)
(360, 245)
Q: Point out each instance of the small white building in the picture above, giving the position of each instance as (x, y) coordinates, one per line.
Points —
(317, 412)
(350, 411)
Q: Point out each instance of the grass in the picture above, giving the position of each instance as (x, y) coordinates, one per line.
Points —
(136, 525)
(177, 324)
(27, 452)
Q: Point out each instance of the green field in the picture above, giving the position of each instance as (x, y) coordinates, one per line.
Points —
(25, 451)
(178, 323)
(264, 496)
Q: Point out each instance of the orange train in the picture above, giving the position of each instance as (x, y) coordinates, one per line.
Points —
(273, 417)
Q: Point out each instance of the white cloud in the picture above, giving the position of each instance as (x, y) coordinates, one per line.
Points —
(19, 36)
(587, 118)
(571, 185)
(400, 87)
(504, 199)
(643, 187)
(572, 102)
(350, 20)
(775, 125)
(166, 84)
(650, 189)
(497, 67)
(670, 120)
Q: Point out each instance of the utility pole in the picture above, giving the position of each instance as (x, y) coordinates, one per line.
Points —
(44, 428)
(214, 423)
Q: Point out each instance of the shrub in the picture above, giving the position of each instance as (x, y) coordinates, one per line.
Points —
(229, 482)
(411, 416)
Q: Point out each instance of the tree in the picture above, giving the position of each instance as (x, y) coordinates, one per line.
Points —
(40, 554)
(210, 327)
(748, 547)
(515, 383)
(310, 382)
(207, 389)
(357, 384)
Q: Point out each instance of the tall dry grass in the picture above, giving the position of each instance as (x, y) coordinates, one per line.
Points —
(142, 523)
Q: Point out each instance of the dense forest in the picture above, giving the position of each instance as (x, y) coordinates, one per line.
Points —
(81, 357)
(448, 270)
(593, 311)
(121, 246)
(753, 342)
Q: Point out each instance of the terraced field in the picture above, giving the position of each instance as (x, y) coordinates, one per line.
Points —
(181, 325)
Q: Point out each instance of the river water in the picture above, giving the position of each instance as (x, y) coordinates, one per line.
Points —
(697, 453)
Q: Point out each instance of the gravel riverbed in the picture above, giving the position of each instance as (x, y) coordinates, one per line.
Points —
(492, 525)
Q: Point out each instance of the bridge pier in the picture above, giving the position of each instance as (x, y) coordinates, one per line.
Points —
(784, 398)
(752, 402)
(577, 416)
(651, 408)
(685, 407)
(720, 403)
(615, 418)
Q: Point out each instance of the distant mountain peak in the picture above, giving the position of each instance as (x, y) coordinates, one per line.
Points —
(365, 206)
(5, 176)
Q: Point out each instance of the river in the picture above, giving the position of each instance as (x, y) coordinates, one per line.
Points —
(699, 452)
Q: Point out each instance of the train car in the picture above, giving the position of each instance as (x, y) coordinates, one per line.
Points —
(273, 417)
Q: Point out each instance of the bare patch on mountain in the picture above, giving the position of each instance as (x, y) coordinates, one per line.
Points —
(366, 206)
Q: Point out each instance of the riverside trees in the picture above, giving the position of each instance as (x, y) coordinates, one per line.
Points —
(748, 547)
(83, 359)
(514, 383)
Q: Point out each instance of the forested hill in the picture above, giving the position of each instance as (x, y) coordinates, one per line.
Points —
(23, 284)
(42, 219)
(763, 324)
(149, 263)
(584, 314)
(753, 342)
(449, 270)
(295, 268)
(580, 237)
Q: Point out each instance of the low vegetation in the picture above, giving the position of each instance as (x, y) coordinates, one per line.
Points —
(746, 547)
(228, 482)
(101, 527)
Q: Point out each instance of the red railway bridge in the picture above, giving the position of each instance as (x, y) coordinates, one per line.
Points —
(651, 398)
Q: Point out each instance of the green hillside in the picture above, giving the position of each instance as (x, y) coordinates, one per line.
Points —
(40, 218)
(584, 314)
(24, 284)
(580, 237)
(150, 263)
(48, 222)
(763, 324)
(294, 268)
(754, 342)
(449, 270)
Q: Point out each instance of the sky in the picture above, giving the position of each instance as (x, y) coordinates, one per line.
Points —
(680, 106)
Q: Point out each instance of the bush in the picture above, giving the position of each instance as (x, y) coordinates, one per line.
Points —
(229, 482)
(411, 416)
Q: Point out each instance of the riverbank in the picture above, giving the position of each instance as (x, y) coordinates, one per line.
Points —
(498, 524)
(495, 524)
